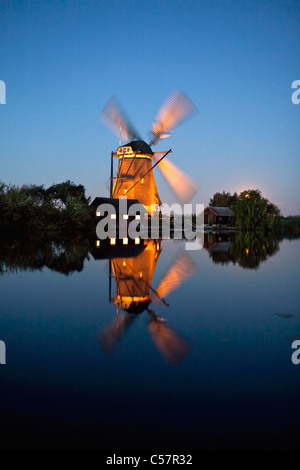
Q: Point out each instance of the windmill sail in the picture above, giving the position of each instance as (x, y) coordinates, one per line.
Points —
(115, 118)
(175, 109)
(181, 270)
(111, 335)
(168, 342)
(181, 184)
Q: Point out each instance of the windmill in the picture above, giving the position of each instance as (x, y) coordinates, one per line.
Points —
(134, 294)
(134, 178)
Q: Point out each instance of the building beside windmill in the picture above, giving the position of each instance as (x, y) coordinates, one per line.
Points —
(109, 212)
(99, 201)
(217, 216)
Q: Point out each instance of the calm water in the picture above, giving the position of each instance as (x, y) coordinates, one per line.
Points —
(206, 364)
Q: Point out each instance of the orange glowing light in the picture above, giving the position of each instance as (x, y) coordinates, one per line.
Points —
(181, 270)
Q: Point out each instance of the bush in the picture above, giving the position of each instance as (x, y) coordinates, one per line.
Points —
(63, 206)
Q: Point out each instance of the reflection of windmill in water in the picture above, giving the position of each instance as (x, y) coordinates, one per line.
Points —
(134, 294)
(134, 178)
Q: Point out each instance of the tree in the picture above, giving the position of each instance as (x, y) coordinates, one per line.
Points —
(62, 207)
(223, 199)
(254, 212)
(247, 248)
(63, 193)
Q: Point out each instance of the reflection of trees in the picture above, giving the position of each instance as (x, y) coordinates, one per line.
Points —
(64, 255)
(248, 249)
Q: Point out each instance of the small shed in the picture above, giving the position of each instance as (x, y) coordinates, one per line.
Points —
(217, 215)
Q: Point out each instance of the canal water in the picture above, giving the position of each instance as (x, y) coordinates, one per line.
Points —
(150, 346)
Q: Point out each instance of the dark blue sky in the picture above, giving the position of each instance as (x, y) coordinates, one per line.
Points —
(62, 61)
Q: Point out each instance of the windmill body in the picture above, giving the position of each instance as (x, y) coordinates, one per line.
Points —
(134, 176)
(133, 278)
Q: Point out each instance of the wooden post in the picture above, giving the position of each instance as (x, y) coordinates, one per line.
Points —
(111, 173)
(109, 286)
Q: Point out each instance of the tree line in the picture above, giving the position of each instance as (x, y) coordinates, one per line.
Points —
(60, 207)
(64, 207)
(252, 211)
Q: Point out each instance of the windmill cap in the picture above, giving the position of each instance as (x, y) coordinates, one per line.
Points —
(139, 146)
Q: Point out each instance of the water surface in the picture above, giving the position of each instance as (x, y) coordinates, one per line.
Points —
(150, 347)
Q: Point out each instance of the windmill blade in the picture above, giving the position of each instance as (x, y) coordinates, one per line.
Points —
(168, 342)
(182, 269)
(114, 117)
(111, 334)
(181, 184)
(174, 110)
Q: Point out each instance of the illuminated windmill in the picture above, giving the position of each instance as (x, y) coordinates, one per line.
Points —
(133, 278)
(134, 178)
